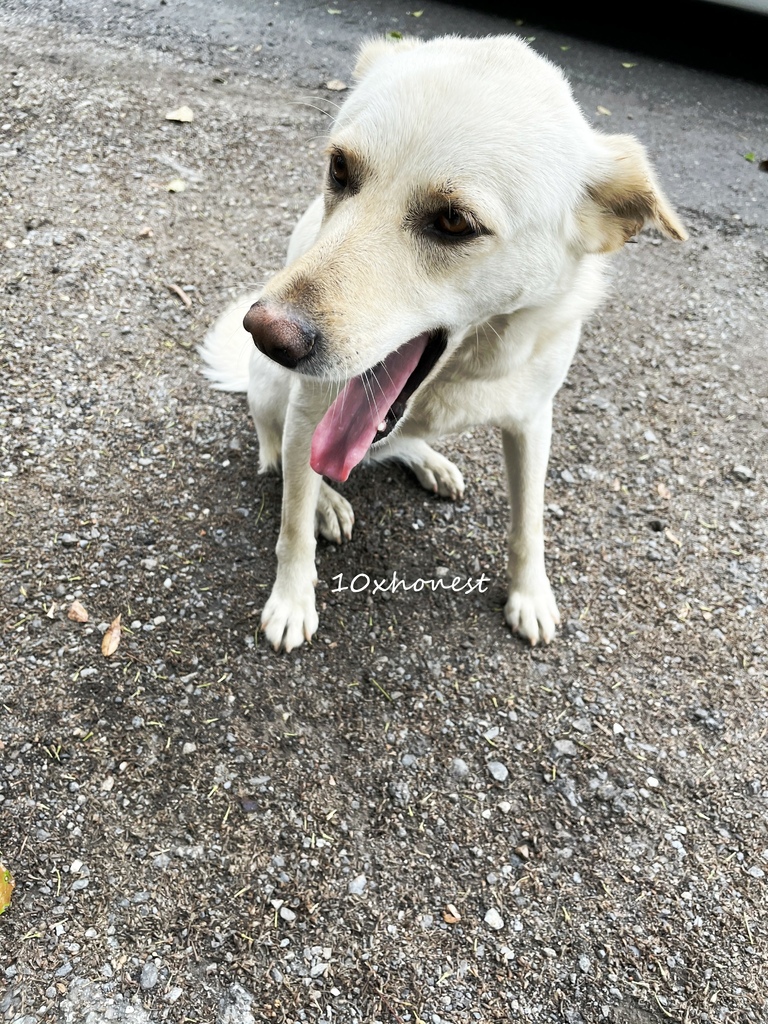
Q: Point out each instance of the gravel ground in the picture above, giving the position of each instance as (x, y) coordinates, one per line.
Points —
(417, 819)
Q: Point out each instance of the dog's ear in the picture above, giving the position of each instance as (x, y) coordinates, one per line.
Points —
(623, 198)
(372, 49)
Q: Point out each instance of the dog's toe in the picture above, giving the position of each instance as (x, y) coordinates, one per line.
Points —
(437, 474)
(533, 613)
(287, 621)
(334, 518)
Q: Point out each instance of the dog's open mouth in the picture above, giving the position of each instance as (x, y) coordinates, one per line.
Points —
(370, 405)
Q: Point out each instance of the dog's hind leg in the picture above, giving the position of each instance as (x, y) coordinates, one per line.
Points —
(530, 610)
(334, 517)
(269, 390)
(434, 472)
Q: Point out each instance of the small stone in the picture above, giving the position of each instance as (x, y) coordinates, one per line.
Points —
(318, 970)
(505, 807)
(498, 771)
(357, 885)
(568, 476)
(175, 994)
(68, 540)
(189, 748)
(287, 914)
(493, 919)
(652, 782)
(742, 473)
(148, 976)
(408, 760)
(582, 725)
(459, 769)
(565, 748)
(756, 872)
(584, 963)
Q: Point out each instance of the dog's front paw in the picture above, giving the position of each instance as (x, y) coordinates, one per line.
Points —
(437, 474)
(532, 612)
(289, 617)
(334, 517)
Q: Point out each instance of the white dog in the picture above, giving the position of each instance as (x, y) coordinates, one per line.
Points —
(438, 283)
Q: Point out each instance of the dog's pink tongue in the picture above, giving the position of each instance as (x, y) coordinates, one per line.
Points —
(345, 433)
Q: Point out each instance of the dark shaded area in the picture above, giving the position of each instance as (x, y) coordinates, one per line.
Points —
(695, 33)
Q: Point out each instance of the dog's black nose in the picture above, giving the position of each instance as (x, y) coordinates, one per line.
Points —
(280, 335)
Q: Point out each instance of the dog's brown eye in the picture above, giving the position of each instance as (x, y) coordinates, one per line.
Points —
(451, 222)
(339, 170)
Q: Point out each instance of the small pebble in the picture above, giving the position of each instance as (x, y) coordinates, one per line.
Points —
(459, 769)
(498, 771)
(287, 914)
(742, 473)
(494, 919)
(189, 748)
(357, 885)
(565, 748)
(148, 976)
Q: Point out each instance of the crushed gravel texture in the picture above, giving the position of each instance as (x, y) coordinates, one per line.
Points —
(418, 818)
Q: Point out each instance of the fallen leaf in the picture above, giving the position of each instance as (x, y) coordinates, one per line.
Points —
(334, 10)
(604, 110)
(682, 611)
(395, 35)
(628, 65)
(52, 610)
(416, 14)
(662, 490)
(750, 157)
(111, 639)
(451, 914)
(77, 613)
(7, 885)
(564, 48)
(176, 185)
(530, 39)
(336, 85)
(181, 114)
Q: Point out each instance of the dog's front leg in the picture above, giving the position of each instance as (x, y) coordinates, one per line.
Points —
(530, 609)
(289, 617)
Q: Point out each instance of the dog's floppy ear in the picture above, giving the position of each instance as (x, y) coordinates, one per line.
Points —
(372, 49)
(624, 198)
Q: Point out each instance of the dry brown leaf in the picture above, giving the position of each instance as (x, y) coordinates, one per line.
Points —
(336, 85)
(663, 491)
(7, 885)
(77, 613)
(111, 639)
(180, 114)
(451, 914)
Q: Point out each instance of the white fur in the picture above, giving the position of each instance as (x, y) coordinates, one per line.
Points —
(495, 122)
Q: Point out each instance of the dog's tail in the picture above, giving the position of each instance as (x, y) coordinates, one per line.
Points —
(226, 348)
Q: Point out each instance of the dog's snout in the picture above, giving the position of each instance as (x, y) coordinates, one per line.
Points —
(280, 335)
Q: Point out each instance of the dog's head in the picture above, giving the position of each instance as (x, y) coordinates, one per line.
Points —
(462, 182)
